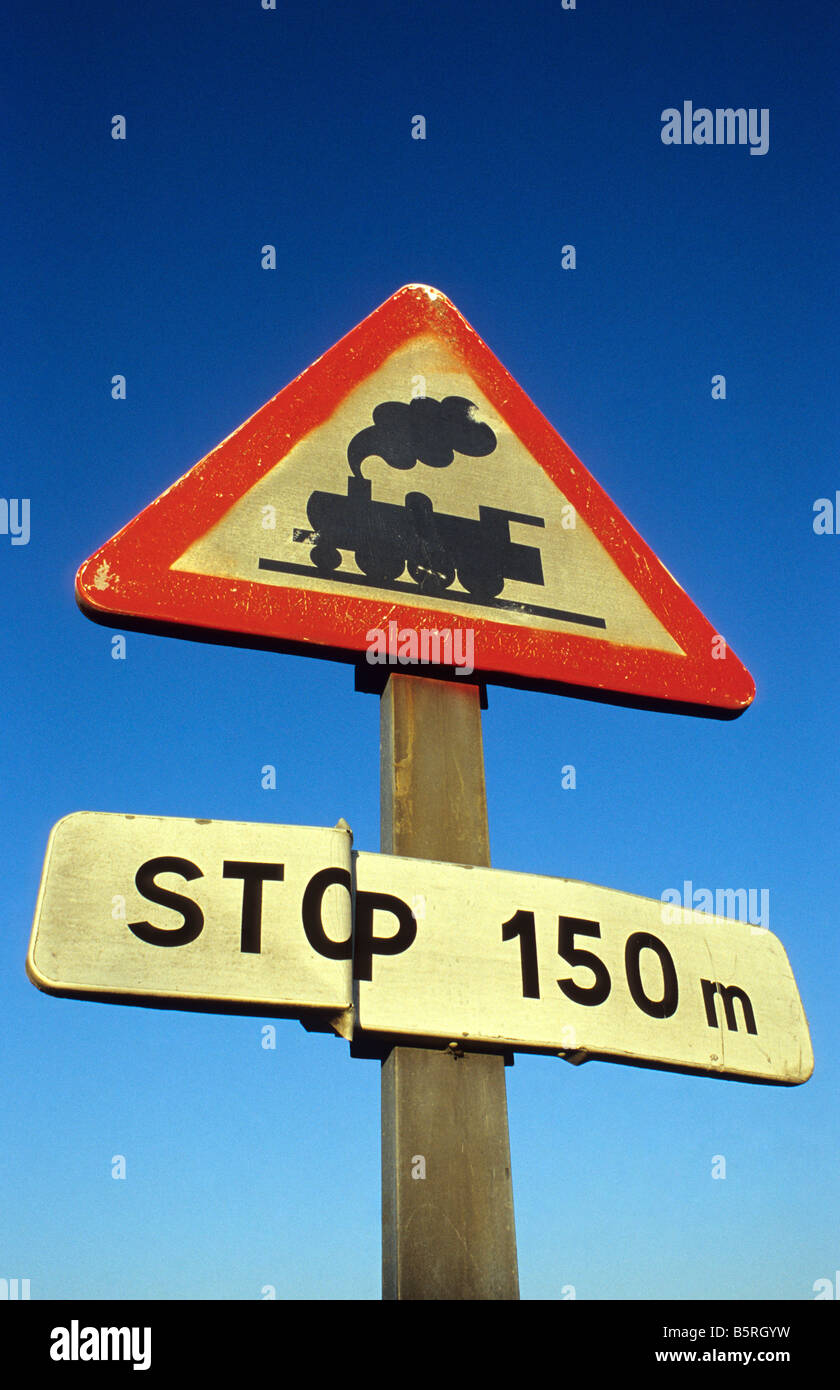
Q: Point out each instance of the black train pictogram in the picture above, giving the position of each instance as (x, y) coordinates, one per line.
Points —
(385, 538)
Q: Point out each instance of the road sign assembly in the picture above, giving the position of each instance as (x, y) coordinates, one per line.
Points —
(289, 919)
(401, 494)
(406, 478)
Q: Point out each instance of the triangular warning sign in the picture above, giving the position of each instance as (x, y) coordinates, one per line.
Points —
(401, 502)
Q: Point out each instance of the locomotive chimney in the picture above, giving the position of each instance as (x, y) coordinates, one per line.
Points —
(358, 488)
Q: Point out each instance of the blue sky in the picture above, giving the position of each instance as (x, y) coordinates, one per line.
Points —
(247, 1167)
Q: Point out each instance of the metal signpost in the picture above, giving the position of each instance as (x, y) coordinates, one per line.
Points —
(402, 505)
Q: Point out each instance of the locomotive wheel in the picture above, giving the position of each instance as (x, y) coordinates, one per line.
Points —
(325, 557)
(432, 579)
(381, 566)
(485, 585)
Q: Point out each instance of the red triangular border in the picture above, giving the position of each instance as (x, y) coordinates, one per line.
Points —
(130, 577)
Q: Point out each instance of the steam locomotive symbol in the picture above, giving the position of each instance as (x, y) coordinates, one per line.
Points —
(385, 538)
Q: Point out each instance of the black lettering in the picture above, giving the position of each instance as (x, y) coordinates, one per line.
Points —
(597, 992)
(311, 913)
(366, 944)
(522, 925)
(654, 1008)
(253, 875)
(190, 911)
(728, 993)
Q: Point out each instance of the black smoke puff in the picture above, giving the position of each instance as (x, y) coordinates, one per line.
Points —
(423, 431)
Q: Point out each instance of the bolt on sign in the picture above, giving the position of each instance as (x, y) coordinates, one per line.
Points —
(405, 478)
(289, 920)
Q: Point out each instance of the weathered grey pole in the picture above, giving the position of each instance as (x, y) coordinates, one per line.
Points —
(447, 1196)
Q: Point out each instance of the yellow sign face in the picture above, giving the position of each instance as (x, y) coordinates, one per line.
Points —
(573, 586)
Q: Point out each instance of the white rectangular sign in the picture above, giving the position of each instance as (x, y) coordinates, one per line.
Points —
(159, 910)
(553, 965)
(285, 919)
